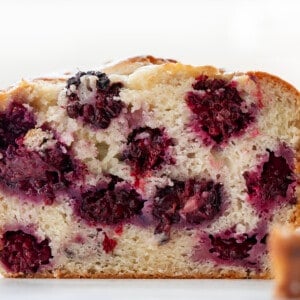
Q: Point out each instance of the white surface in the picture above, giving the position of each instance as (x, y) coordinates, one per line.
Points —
(39, 37)
(12, 289)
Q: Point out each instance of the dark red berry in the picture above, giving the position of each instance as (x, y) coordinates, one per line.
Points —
(167, 203)
(108, 244)
(219, 112)
(75, 80)
(268, 186)
(31, 173)
(232, 248)
(103, 105)
(147, 149)
(102, 82)
(192, 201)
(119, 229)
(202, 201)
(21, 252)
(15, 122)
(108, 203)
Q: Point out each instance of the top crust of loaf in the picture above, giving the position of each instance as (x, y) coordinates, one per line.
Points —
(130, 65)
(264, 77)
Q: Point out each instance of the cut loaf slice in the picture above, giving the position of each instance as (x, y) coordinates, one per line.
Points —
(146, 169)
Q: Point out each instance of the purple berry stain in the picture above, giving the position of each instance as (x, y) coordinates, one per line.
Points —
(232, 248)
(101, 108)
(271, 184)
(35, 175)
(108, 244)
(15, 122)
(20, 252)
(31, 173)
(147, 150)
(219, 112)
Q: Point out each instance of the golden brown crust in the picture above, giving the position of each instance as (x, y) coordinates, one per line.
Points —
(168, 73)
(129, 65)
(295, 219)
(150, 60)
(70, 275)
(275, 79)
(17, 93)
(51, 80)
(3, 99)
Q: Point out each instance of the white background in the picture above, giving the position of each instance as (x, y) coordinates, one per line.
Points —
(34, 289)
(38, 37)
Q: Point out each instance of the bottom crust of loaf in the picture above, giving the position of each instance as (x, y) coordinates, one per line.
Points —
(69, 275)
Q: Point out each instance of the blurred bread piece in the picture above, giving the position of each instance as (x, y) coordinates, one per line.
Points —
(284, 247)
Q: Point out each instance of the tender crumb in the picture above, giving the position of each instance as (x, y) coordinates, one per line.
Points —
(39, 140)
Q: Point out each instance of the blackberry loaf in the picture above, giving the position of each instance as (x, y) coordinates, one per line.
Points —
(146, 169)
